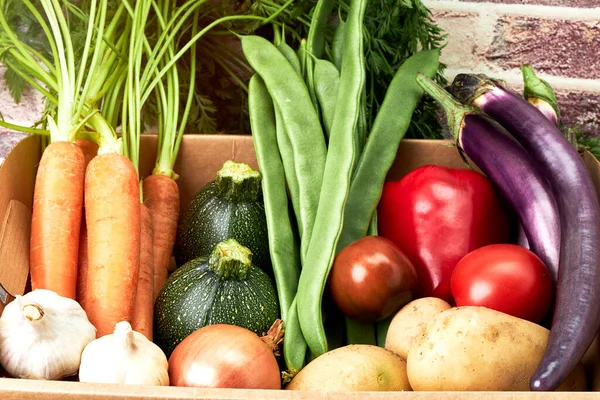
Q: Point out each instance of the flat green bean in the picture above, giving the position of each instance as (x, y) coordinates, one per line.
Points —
(372, 230)
(302, 125)
(316, 32)
(294, 345)
(381, 329)
(336, 185)
(360, 333)
(389, 127)
(338, 44)
(307, 66)
(283, 249)
(327, 82)
(291, 56)
(287, 156)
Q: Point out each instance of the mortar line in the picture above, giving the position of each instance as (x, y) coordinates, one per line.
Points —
(514, 79)
(529, 10)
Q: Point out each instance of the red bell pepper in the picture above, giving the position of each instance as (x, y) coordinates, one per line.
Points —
(437, 215)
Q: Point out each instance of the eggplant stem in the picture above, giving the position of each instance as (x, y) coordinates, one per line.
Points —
(455, 111)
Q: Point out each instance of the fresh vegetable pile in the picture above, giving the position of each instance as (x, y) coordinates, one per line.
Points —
(316, 271)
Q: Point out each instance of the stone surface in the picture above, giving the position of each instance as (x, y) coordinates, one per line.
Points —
(557, 47)
(25, 113)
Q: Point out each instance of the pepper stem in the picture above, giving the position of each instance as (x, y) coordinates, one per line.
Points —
(455, 111)
(238, 182)
(230, 260)
(32, 312)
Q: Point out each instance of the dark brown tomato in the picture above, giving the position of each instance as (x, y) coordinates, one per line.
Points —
(371, 279)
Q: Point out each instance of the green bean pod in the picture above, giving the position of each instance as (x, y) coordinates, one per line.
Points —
(287, 156)
(283, 248)
(294, 345)
(336, 185)
(290, 95)
(372, 230)
(316, 33)
(360, 333)
(338, 44)
(307, 67)
(284, 251)
(327, 82)
(291, 56)
(283, 140)
(389, 127)
(381, 329)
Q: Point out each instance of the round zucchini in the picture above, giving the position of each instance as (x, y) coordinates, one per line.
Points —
(231, 206)
(224, 288)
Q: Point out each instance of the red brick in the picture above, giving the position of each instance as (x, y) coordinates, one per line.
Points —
(562, 3)
(553, 46)
(580, 108)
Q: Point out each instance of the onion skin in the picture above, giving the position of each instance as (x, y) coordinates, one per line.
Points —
(224, 356)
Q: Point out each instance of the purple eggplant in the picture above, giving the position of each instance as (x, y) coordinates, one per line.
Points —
(576, 317)
(540, 94)
(522, 237)
(506, 163)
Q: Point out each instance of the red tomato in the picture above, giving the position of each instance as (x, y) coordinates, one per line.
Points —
(506, 278)
(371, 279)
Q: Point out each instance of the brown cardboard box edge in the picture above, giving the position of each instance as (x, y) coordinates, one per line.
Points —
(199, 158)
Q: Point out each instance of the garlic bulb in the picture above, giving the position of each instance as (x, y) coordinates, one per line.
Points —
(42, 335)
(124, 356)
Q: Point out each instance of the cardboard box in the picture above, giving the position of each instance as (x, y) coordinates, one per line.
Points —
(200, 158)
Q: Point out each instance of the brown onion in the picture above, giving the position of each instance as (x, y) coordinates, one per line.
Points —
(227, 356)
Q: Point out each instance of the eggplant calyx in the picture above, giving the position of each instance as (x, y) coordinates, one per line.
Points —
(537, 88)
(468, 87)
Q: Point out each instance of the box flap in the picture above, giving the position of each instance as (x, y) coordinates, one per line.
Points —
(14, 247)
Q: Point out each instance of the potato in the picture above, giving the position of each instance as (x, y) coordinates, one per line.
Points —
(476, 348)
(355, 367)
(410, 322)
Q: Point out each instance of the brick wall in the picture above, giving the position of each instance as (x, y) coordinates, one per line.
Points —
(559, 38)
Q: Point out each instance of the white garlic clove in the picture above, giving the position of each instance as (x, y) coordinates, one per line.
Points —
(42, 335)
(125, 357)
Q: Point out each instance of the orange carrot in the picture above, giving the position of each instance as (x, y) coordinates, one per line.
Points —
(56, 220)
(90, 150)
(112, 208)
(83, 264)
(144, 300)
(161, 195)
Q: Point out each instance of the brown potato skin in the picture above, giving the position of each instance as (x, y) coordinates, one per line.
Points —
(410, 321)
(353, 368)
(479, 349)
